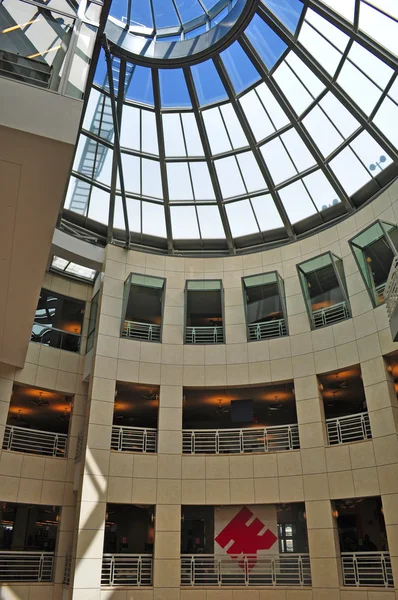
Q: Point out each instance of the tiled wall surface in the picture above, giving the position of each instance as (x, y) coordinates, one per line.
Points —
(26, 478)
(315, 474)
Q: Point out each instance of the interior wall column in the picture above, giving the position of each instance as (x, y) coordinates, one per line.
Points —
(91, 504)
(167, 571)
(322, 538)
(382, 404)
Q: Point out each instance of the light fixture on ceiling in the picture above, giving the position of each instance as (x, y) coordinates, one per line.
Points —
(40, 401)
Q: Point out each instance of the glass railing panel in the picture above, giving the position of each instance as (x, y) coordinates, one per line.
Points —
(55, 338)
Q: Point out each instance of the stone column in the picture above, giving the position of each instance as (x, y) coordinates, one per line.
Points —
(381, 399)
(168, 509)
(92, 494)
(322, 539)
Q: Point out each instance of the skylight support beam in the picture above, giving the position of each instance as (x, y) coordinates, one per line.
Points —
(116, 147)
(327, 81)
(298, 126)
(358, 36)
(253, 146)
(162, 158)
(207, 151)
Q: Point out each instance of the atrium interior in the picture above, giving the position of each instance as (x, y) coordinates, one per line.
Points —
(199, 300)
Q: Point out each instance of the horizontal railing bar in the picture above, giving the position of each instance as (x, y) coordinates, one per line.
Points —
(243, 429)
(60, 435)
(133, 428)
(337, 306)
(27, 552)
(346, 417)
(153, 325)
(107, 555)
(49, 328)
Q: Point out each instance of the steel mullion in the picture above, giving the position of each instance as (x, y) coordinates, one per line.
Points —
(128, 16)
(235, 155)
(162, 158)
(253, 146)
(342, 96)
(190, 177)
(117, 137)
(359, 36)
(383, 96)
(298, 126)
(90, 78)
(120, 96)
(343, 54)
(209, 159)
(356, 14)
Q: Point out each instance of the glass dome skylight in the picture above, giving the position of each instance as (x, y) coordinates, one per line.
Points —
(289, 127)
(170, 19)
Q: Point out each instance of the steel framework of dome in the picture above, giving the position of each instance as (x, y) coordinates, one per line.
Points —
(235, 126)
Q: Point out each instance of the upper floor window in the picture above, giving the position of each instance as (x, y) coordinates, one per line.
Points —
(143, 300)
(58, 321)
(374, 250)
(265, 306)
(204, 312)
(71, 269)
(38, 422)
(325, 291)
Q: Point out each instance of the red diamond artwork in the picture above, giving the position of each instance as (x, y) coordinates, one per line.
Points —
(246, 539)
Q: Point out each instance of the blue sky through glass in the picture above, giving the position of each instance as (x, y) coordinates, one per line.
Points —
(209, 87)
(162, 14)
(266, 42)
(288, 11)
(173, 88)
(239, 67)
(140, 88)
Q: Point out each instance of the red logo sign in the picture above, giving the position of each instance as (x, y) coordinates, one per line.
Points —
(245, 538)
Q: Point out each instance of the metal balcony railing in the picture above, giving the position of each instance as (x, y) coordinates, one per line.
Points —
(141, 331)
(34, 441)
(133, 439)
(204, 335)
(380, 291)
(267, 329)
(353, 428)
(67, 570)
(331, 314)
(26, 566)
(275, 570)
(126, 569)
(369, 569)
(55, 338)
(240, 441)
(391, 289)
